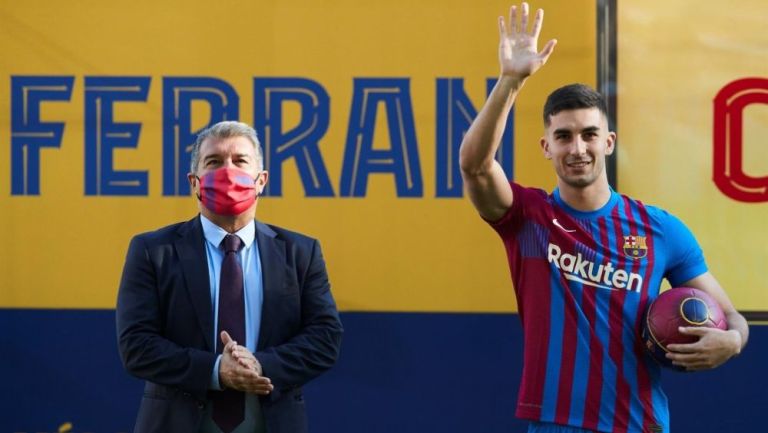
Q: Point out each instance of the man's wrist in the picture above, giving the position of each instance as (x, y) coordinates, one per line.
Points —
(737, 339)
(511, 82)
(216, 382)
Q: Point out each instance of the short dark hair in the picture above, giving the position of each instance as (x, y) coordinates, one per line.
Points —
(226, 129)
(572, 97)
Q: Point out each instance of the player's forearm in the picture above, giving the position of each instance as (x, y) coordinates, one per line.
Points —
(484, 135)
(737, 322)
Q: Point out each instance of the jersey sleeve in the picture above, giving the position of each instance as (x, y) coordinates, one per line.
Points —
(510, 222)
(686, 259)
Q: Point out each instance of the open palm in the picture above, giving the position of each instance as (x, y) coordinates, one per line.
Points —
(518, 55)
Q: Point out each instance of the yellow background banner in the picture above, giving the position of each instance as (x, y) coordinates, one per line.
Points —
(674, 58)
(64, 249)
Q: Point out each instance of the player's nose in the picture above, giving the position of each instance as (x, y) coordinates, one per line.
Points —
(579, 146)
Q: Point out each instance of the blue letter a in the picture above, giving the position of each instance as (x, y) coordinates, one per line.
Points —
(401, 158)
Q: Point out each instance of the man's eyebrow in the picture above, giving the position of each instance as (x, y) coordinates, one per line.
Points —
(218, 155)
(568, 131)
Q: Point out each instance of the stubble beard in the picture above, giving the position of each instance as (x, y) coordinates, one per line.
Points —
(583, 180)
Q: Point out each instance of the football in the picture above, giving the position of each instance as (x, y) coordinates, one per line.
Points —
(681, 306)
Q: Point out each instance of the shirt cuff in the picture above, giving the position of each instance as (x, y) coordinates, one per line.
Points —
(215, 375)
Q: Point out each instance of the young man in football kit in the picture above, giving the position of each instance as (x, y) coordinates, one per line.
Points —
(585, 261)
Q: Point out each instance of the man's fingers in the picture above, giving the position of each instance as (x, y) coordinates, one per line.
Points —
(684, 357)
(694, 330)
(263, 388)
(247, 374)
(245, 363)
(252, 383)
(260, 385)
(683, 348)
(225, 338)
(687, 361)
(230, 347)
(537, 23)
(502, 29)
(245, 358)
(524, 19)
(547, 50)
(512, 20)
(242, 352)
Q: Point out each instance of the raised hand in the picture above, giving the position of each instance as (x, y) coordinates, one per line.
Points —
(518, 44)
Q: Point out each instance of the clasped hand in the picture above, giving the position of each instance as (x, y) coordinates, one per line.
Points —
(240, 370)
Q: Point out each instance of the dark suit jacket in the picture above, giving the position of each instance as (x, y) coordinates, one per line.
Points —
(165, 325)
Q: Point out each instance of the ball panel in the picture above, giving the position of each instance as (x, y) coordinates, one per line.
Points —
(694, 311)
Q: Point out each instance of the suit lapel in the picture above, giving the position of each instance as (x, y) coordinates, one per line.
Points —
(190, 246)
(273, 268)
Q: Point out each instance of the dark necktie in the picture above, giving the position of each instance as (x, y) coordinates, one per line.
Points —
(229, 404)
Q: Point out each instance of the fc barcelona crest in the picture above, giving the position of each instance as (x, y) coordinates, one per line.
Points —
(635, 247)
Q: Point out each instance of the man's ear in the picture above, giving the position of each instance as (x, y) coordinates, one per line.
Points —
(261, 181)
(545, 147)
(192, 182)
(610, 143)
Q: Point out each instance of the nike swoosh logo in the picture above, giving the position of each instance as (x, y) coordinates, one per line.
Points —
(554, 221)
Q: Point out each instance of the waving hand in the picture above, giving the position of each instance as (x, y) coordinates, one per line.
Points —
(518, 55)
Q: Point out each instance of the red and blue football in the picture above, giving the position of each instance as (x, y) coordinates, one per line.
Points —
(680, 306)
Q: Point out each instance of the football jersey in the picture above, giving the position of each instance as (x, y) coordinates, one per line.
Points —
(583, 281)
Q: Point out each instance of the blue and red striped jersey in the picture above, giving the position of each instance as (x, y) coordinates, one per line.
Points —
(583, 281)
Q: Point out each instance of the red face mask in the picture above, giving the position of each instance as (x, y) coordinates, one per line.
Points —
(227, 191)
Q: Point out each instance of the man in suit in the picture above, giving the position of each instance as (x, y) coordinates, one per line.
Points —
(225, 317)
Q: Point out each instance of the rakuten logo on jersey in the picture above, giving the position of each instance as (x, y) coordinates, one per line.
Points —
(604, 276)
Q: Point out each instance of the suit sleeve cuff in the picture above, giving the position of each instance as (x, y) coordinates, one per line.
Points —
(215, 375)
